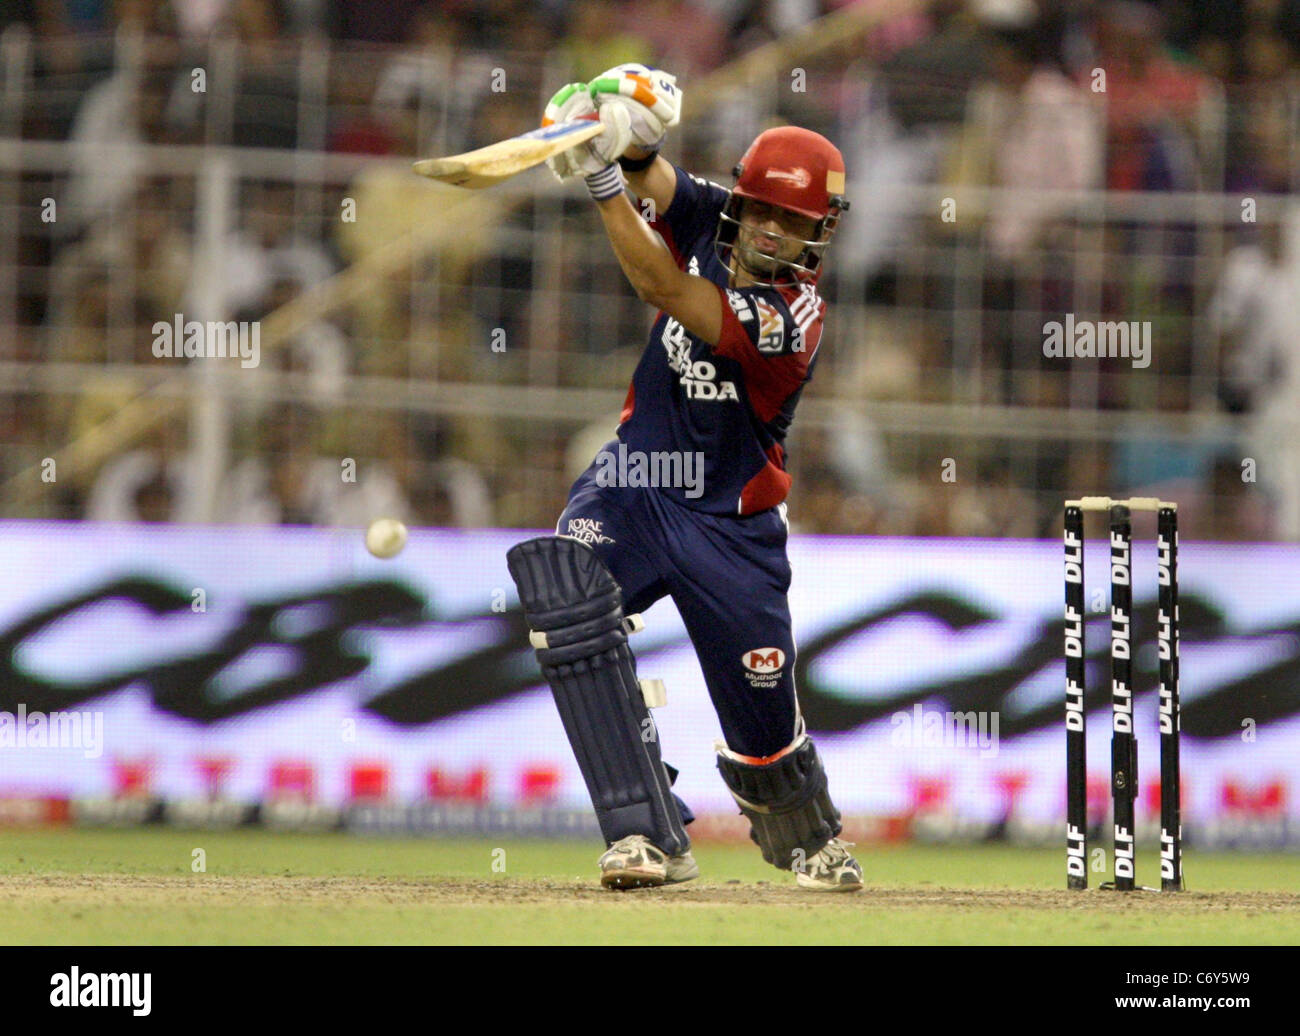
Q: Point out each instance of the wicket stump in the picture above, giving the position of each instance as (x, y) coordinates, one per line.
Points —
(1124, 745)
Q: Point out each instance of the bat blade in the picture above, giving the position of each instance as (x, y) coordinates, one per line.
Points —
(506, 158)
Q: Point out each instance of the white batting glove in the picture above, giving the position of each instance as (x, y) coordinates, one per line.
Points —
(598, 157)
(569, 102)
(649, 95)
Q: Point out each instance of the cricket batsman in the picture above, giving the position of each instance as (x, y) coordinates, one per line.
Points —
(733, 275)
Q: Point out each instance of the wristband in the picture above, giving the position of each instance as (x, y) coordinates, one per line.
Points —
(635, 165)
(606, 184)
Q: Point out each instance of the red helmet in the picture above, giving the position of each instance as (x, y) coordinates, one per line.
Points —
(795, 169)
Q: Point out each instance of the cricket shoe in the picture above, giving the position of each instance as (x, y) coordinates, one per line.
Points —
(636, 862)
(833, 869)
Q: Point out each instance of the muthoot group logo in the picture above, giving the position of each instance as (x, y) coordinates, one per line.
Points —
(1098, 339)
(764, 660)
(183, 339)
(764, 666)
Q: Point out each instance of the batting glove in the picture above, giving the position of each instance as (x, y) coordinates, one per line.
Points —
(569, 102)
(598, 158)
(649, 95)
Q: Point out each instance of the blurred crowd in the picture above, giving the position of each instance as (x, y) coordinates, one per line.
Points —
(1010, 108)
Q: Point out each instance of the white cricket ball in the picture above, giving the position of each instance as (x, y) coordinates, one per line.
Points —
(385, 537)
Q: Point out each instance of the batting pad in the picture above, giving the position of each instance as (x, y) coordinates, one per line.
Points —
(790, 812)
(575, 611)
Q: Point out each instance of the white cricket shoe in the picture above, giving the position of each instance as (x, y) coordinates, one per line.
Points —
(636, 862)
(833, 869)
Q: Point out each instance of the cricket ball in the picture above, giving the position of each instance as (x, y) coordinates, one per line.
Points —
(386, 537)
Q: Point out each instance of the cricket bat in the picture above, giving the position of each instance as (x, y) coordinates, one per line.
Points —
(502, 160)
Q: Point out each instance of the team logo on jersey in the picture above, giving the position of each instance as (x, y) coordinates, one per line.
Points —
(697, 377)
(771, 327)
(764, 665)
(740, 305)
(588, 530)
(797, 176)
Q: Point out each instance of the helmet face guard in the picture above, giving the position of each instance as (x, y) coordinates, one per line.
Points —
(795, 170)
(805, 266)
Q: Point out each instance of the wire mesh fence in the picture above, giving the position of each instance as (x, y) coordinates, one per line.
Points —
(464, 355)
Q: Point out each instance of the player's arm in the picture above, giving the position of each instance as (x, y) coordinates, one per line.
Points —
(693, 302)
(637, 105)
(649, 102)
(656, 182)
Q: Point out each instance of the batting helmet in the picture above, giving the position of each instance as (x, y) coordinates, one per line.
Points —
(795, 169)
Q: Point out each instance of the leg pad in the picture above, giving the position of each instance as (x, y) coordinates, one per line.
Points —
(574, 608)
(787, 802)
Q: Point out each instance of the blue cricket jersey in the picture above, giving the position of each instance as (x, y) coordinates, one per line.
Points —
(731, 402)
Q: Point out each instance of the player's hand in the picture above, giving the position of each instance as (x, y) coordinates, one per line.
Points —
(569, 102)
(598, 157)
(649, 95)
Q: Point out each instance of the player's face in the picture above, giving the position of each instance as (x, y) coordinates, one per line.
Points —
(769, 233)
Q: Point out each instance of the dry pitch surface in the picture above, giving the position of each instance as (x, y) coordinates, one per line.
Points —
(79, 887)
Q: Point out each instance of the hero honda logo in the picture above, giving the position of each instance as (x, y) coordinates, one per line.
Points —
(799, 177)
(697, 377)
(764, 664)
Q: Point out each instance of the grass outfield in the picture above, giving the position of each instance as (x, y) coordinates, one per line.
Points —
(138, 886)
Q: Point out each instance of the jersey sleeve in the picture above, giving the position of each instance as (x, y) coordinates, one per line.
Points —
(773, 338)
(692, 215)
